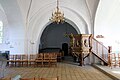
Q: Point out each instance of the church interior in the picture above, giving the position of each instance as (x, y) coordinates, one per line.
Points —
(59, 40)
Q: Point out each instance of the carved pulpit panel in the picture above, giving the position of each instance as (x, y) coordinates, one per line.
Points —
(80, 45)
(85, 42)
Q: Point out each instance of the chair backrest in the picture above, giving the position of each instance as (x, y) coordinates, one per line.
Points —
(53, 56)
(49, 78)
(46, 56)
(118, 56)
(32, 56)
(18, 77)
(27, 79)
(24, 57)
(5, 79)
(40, 56)
(113, 56)
(11, 57)
(18, 57)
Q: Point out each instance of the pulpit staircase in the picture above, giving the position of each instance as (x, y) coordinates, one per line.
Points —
(93, 46)
(100, 51)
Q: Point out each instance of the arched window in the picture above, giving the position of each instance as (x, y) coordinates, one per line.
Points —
(1, 31)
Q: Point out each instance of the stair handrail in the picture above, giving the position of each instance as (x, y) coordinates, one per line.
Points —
(99, 49)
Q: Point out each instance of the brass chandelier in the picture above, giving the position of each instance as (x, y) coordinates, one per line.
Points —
(57, 16)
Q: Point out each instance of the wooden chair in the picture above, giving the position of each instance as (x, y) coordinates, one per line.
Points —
(119, 59)
(24, 59)
(39, 59)
(53, 59)
(113, 60)
(5, 78)
(60, 56)
(18, 60)
(27, 79)
(109, 59)
(50, 78)
(11, 61)
(46, 59)
(32, 59)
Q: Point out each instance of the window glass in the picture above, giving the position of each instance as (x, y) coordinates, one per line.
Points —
(0, 40)
(1, 34)
(1, 31)
(1, 28)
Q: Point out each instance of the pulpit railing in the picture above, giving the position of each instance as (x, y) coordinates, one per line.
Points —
(99, 50)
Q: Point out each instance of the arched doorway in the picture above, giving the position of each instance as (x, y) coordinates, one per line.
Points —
(53, 35)
(65, 48)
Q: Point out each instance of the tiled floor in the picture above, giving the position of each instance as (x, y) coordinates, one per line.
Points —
(65, 71)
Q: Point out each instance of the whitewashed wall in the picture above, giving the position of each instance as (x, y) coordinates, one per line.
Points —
(107, 23)
(13, 27)
(79, 12)
(24, 23)
(3, 18)
(27, 20)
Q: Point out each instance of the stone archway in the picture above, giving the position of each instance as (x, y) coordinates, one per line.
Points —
(53, 35)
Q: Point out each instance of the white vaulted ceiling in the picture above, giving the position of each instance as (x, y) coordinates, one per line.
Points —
(36, 13)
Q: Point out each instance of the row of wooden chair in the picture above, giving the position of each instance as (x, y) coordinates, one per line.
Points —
(46, 59)
(32, 59)
(20, 59)
(55, 78)
(114, 60)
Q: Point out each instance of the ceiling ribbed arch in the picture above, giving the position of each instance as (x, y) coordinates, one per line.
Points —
(37, 24)
(45, 12)
(49, 8)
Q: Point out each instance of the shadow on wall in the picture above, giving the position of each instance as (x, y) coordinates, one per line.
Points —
(54, 35)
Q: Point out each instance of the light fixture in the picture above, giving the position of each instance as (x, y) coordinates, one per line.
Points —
(57, 16)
